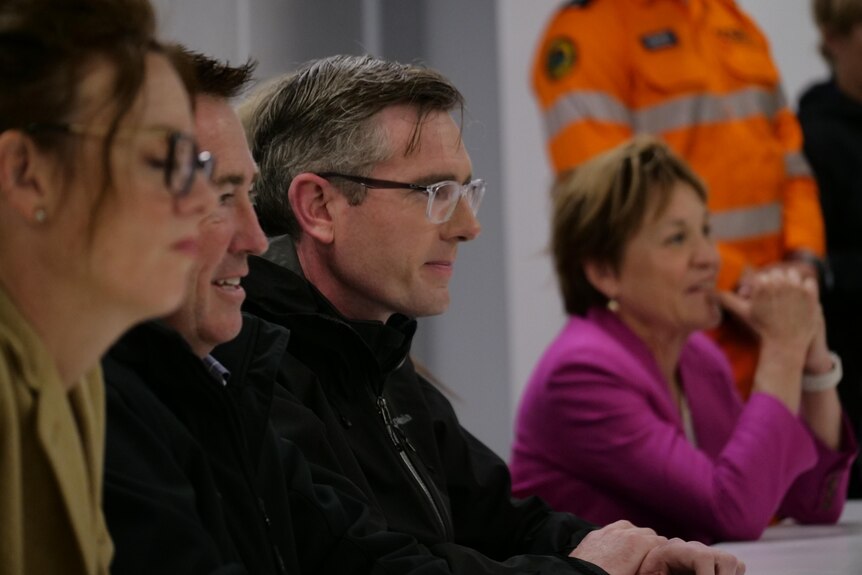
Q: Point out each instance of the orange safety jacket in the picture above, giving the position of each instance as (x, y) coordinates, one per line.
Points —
(699, 74)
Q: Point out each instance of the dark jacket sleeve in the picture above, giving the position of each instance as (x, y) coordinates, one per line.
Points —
(545, 536)
(308, 433)
(486, 515)
(339, 538)
(831, 126)
(158, 521)
(314, 426)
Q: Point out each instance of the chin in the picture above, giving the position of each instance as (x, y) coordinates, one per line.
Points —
(165, 305)
(432, 310)
(425, 307)
(710, 320)
(223, 332)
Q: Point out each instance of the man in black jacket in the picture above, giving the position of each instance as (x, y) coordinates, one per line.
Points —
(195, 479)
(363, 167)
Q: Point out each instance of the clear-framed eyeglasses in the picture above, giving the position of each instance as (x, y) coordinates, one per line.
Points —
(443, 197)
(182, 161)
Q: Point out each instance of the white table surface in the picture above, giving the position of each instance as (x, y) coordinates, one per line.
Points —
(790, 549)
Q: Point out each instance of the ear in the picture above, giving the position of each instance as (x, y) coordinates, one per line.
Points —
(603, 277)
(311, 200)
(23, 182)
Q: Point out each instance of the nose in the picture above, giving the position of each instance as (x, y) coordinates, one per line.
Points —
(249, 237)
(463, 226)
(201, 199)
(706, 254)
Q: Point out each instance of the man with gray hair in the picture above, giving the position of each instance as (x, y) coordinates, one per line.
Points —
(363, 167)
(195, 480)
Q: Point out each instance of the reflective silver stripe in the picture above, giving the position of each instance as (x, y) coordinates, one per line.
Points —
(708, 109)
(795, 165)
(678, 113)
(746, 223)
(578, 106)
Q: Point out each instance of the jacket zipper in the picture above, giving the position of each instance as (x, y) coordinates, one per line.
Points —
(239, 432)
(401, 443)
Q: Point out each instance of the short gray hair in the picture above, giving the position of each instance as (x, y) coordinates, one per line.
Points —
(319, 119)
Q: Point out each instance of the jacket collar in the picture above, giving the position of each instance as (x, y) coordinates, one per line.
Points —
(827, 99)
(75, 459)
(390, 342)
(690, 362)
(160, 356)
(37, 368)
(279, 295)
(634, 345)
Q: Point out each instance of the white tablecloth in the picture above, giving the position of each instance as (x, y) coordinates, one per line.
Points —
(790, 549)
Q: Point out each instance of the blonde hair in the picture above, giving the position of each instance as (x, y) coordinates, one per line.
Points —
(600, 205)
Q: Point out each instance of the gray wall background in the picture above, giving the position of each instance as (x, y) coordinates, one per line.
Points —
(505, 306)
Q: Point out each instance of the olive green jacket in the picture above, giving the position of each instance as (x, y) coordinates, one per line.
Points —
(51, 451)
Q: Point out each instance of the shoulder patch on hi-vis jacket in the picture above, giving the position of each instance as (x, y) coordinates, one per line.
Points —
(560, 57)
(659, 40)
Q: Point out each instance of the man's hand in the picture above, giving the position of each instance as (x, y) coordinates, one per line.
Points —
(623, 549)
(618, 548)
(678, 556)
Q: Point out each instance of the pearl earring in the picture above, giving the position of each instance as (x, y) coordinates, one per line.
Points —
(613, 305)
(40, 215)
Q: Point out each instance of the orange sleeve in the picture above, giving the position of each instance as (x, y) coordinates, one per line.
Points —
(582, 83)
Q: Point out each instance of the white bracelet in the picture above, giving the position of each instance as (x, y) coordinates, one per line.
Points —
(826, 380)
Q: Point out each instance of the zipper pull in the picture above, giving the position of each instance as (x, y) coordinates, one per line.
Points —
(383, 410)
(404, 438)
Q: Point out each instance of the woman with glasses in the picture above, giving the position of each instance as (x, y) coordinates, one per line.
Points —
(632, 413)
(99, 213)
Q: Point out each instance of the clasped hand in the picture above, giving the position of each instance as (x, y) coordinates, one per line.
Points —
(782, 307)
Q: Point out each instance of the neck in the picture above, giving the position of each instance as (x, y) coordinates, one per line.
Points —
(664, 344)
(199, 348)
(75, 328)
(316, 271)
(848, 86)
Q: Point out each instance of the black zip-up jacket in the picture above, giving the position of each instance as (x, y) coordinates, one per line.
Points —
(367, 416)
(832, 133)
(196, 481)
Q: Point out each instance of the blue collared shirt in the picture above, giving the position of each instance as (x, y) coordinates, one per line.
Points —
(217, 370)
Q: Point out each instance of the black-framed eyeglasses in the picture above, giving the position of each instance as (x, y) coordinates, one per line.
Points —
(442, 196)
(183, 159)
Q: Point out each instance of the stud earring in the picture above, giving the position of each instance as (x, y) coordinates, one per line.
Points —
(613, 305)
(40, 215)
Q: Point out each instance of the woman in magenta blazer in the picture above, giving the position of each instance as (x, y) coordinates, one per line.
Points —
(632, 413)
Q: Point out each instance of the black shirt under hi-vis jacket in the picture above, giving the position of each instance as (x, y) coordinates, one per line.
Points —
(197, 482)
(369, 424)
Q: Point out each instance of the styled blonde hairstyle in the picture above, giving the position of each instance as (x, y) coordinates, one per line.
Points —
(600, 205)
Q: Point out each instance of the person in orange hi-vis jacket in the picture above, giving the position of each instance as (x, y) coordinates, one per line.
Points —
(699, 74)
